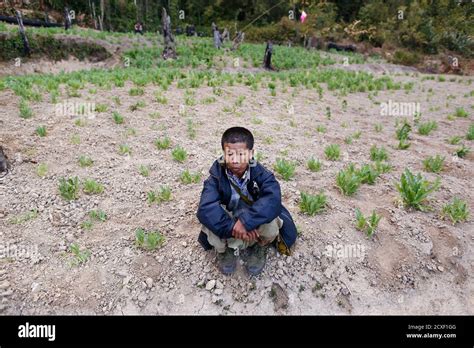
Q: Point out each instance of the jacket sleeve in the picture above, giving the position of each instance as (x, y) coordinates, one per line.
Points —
(267, 207)
(210, 212)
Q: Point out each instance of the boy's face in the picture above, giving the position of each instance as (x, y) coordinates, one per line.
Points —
(237, 157)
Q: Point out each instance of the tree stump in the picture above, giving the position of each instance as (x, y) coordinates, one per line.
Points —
(26, 45)
(217, 36)
(170, 50)
(238, 40)
(67, 19)
(267, 58)
(225, 35)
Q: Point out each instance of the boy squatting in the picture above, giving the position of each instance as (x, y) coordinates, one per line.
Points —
(240, 207)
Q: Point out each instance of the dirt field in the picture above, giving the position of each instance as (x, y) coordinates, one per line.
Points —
(416, 263)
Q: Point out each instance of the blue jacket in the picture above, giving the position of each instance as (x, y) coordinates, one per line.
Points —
(266, 193)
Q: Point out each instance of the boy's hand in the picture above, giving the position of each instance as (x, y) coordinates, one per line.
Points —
(240, 232)
(253, 235)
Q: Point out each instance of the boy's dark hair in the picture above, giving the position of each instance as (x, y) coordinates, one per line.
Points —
(237, 135)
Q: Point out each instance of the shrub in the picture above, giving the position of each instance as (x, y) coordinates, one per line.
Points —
(124, 149)
(378, 154)
(144, 170)
(414, 190)
(85, 161)
(333, 152)
(367, 225)
(162, 196)
(368, 174)
(42, 170)
(470, 132)
(462, 151)
(434, 164)
(403, 132)
(405, 58)
(41, 131)
(427, 127)
(190, 178)
(148, 240)
(348, 180)
(118, 119)
(460, 112)
(25, 111)
(92, 187)
(179, 154)
(163, 144)
(456, 210)
(285, 168)
(312, 204)
(314, 165)
(80, 256)
(69, 188)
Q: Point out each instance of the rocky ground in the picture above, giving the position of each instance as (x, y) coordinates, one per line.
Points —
(416, 263)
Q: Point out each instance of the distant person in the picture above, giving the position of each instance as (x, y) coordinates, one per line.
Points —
(190, 30)
(139, 28)
(240, 207)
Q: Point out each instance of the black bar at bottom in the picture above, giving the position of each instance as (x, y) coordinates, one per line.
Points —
(450, 331)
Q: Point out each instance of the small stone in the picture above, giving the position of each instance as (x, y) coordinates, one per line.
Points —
(184, 244)
(6, 293)
(126, 280)
(35, 287)
(4, 285)
(214, 299)
(142, 297)
(149, 282)
(122, 273)
(218, 291)
(210, 285)
(219, 285)
(440, 268)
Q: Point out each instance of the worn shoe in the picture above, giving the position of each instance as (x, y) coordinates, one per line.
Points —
(227, 261)
(256, 259)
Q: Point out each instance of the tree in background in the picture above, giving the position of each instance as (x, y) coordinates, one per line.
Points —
(427, 25)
